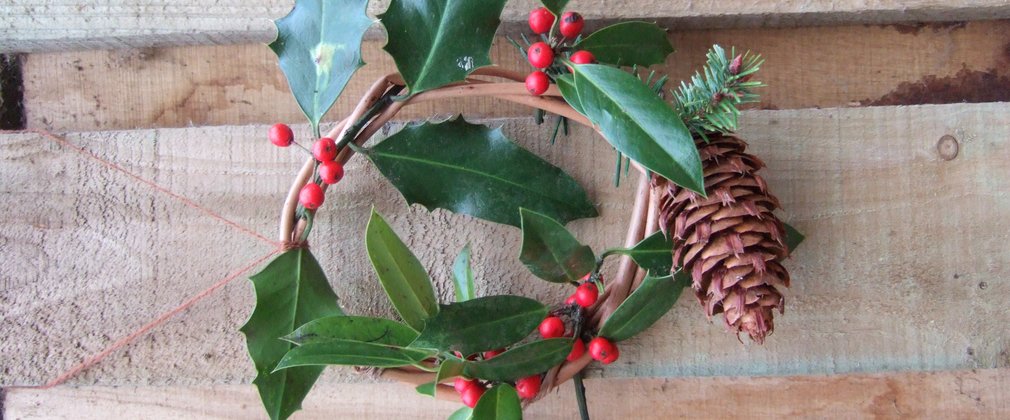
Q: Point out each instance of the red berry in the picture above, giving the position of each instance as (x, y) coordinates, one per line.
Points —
(331, 172)
(462, 384)
(570, 300)
(324, 150)
(612, 357)
(603, 350)
(492, 353)
(552, 327)
(528, 387)
(537, 83)
(578, 349)
(471, 395)
(541, 20)
(582, 57)
(280, 135)
(571, 24)
(540, 55)
(311, 196)
(586, 294)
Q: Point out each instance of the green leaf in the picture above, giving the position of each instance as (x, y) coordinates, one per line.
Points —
(653, 299)
(566, 84)
(793, 237)
(402, 276)
(521, 361)
(356, 328)
(318, 46)
(480, 324)
(654, 253)
(628, 44)
(471, 169)
(499, 403)
(551, 252)
(449, 368)
(427, 388)
(436, 42)
(555, 6)
(464, 413)
(352, 353)
(290, 291)
(639, 124)
(462, 275)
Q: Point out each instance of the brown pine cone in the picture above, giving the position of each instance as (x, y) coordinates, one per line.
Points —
(731, 243)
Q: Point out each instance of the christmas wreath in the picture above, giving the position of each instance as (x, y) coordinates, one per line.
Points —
(702, 217)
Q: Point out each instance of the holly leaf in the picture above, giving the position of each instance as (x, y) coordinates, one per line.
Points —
(471, 169)
(356, 328)
(566, 84)
(462, 275)
(521, 361)
(480, 324)
(464, 413)
(550, 252)
(628, 44)
(437, 42)
(555, 6)
(449, 368)
(499, 403)
(793, 237)
(654, 253)
(318, 46)
(427, 388)
(352, 353)
(402, 276)
(290, 291)
(646, 305)
(638, 123)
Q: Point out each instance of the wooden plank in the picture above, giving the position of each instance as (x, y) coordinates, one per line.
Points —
(950, 395)
(60, 25)
(232, 85)
(904, 267)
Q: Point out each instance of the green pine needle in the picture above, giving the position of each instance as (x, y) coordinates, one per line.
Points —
(709, 103)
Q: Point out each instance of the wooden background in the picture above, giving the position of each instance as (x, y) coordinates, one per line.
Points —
(898, 307)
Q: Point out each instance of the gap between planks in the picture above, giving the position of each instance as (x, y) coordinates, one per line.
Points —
(975, 394)
(812, 67)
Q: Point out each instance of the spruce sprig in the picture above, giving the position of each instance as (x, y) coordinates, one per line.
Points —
(710, 103)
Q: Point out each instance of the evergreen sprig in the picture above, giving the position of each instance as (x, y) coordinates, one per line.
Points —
(710, 103)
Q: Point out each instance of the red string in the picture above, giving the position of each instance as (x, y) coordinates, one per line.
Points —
(150, 183)
(161, 319)
(122, 342)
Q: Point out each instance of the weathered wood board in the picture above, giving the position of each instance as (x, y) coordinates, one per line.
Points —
(947, 395)
(905, 266)
(52, 25)
(808, 67)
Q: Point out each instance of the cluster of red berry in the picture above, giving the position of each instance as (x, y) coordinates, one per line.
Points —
(328, 170)
(601, 349)
(543, 54)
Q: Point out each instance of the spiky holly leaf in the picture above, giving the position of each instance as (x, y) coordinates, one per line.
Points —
(628, 44)
(471, 169)
(436, 42)
(291, 291)
(638, 123)
(318, 46)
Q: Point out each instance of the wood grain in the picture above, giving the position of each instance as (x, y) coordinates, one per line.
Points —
(60, 25)
(948, 395)
(241, 84)
(904, 267)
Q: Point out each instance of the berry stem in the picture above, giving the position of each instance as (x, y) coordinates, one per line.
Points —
(580, 396)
